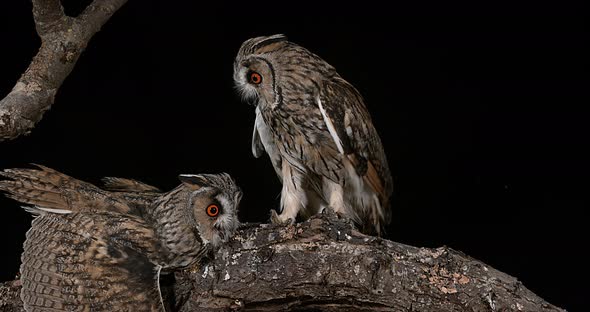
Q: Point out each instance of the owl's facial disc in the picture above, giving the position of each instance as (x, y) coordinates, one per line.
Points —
(215, 213)
(255, 80)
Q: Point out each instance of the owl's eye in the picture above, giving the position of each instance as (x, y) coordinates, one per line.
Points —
(212, 210)
(254, 77)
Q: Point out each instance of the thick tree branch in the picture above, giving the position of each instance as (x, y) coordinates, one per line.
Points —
(63, 39)
(325, 265)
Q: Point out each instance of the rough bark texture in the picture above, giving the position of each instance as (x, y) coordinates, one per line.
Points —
(10, 297)
(325, 265)
(63, 39)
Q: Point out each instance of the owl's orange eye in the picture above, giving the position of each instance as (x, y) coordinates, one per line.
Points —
(255, 77)
(212, 210)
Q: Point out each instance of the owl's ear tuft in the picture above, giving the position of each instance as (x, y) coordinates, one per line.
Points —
(265, 44)
(195, 181)
(275, 38)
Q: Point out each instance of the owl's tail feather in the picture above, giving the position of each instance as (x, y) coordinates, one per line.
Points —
(53, 190)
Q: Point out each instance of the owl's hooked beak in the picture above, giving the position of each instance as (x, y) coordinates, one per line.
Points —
(221, 234)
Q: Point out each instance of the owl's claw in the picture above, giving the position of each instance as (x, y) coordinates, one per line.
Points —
(277, 219)
(332, 213)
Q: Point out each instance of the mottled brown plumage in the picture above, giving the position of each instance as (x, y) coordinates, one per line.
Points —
(91, 262)
(90, 249)
(317, 131)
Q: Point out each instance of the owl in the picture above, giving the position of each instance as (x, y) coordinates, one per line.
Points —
(317, 131)
(90, 249)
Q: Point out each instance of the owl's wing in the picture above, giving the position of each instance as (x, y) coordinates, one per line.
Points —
(54, 191)
(91, 262)
(128, 185)
(354, 135)
(261, 141)
(136, 194)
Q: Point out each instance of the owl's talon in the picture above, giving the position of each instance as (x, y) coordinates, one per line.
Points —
(276, 219)
(331, 213)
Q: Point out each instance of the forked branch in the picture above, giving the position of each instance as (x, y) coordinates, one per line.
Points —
(63, 39)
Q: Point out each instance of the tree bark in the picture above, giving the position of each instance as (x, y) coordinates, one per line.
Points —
(323, 264)
(63, 39)
(10, 297)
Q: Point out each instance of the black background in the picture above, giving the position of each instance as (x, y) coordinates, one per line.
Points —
(481, 110)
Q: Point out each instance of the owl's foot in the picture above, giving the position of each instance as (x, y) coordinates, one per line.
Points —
(332, 213)
(280, 219)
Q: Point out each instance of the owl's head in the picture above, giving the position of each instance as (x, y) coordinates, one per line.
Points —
(267, 68)
(213, 201)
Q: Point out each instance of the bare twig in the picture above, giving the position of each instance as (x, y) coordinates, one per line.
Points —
(63, 39)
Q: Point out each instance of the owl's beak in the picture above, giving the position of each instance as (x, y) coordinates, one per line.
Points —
(220, 232)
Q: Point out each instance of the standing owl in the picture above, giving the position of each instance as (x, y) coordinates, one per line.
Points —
(318, 133)
(95, 250)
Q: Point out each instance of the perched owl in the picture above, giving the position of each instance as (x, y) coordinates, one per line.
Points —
(93, 250)
(317, 131)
